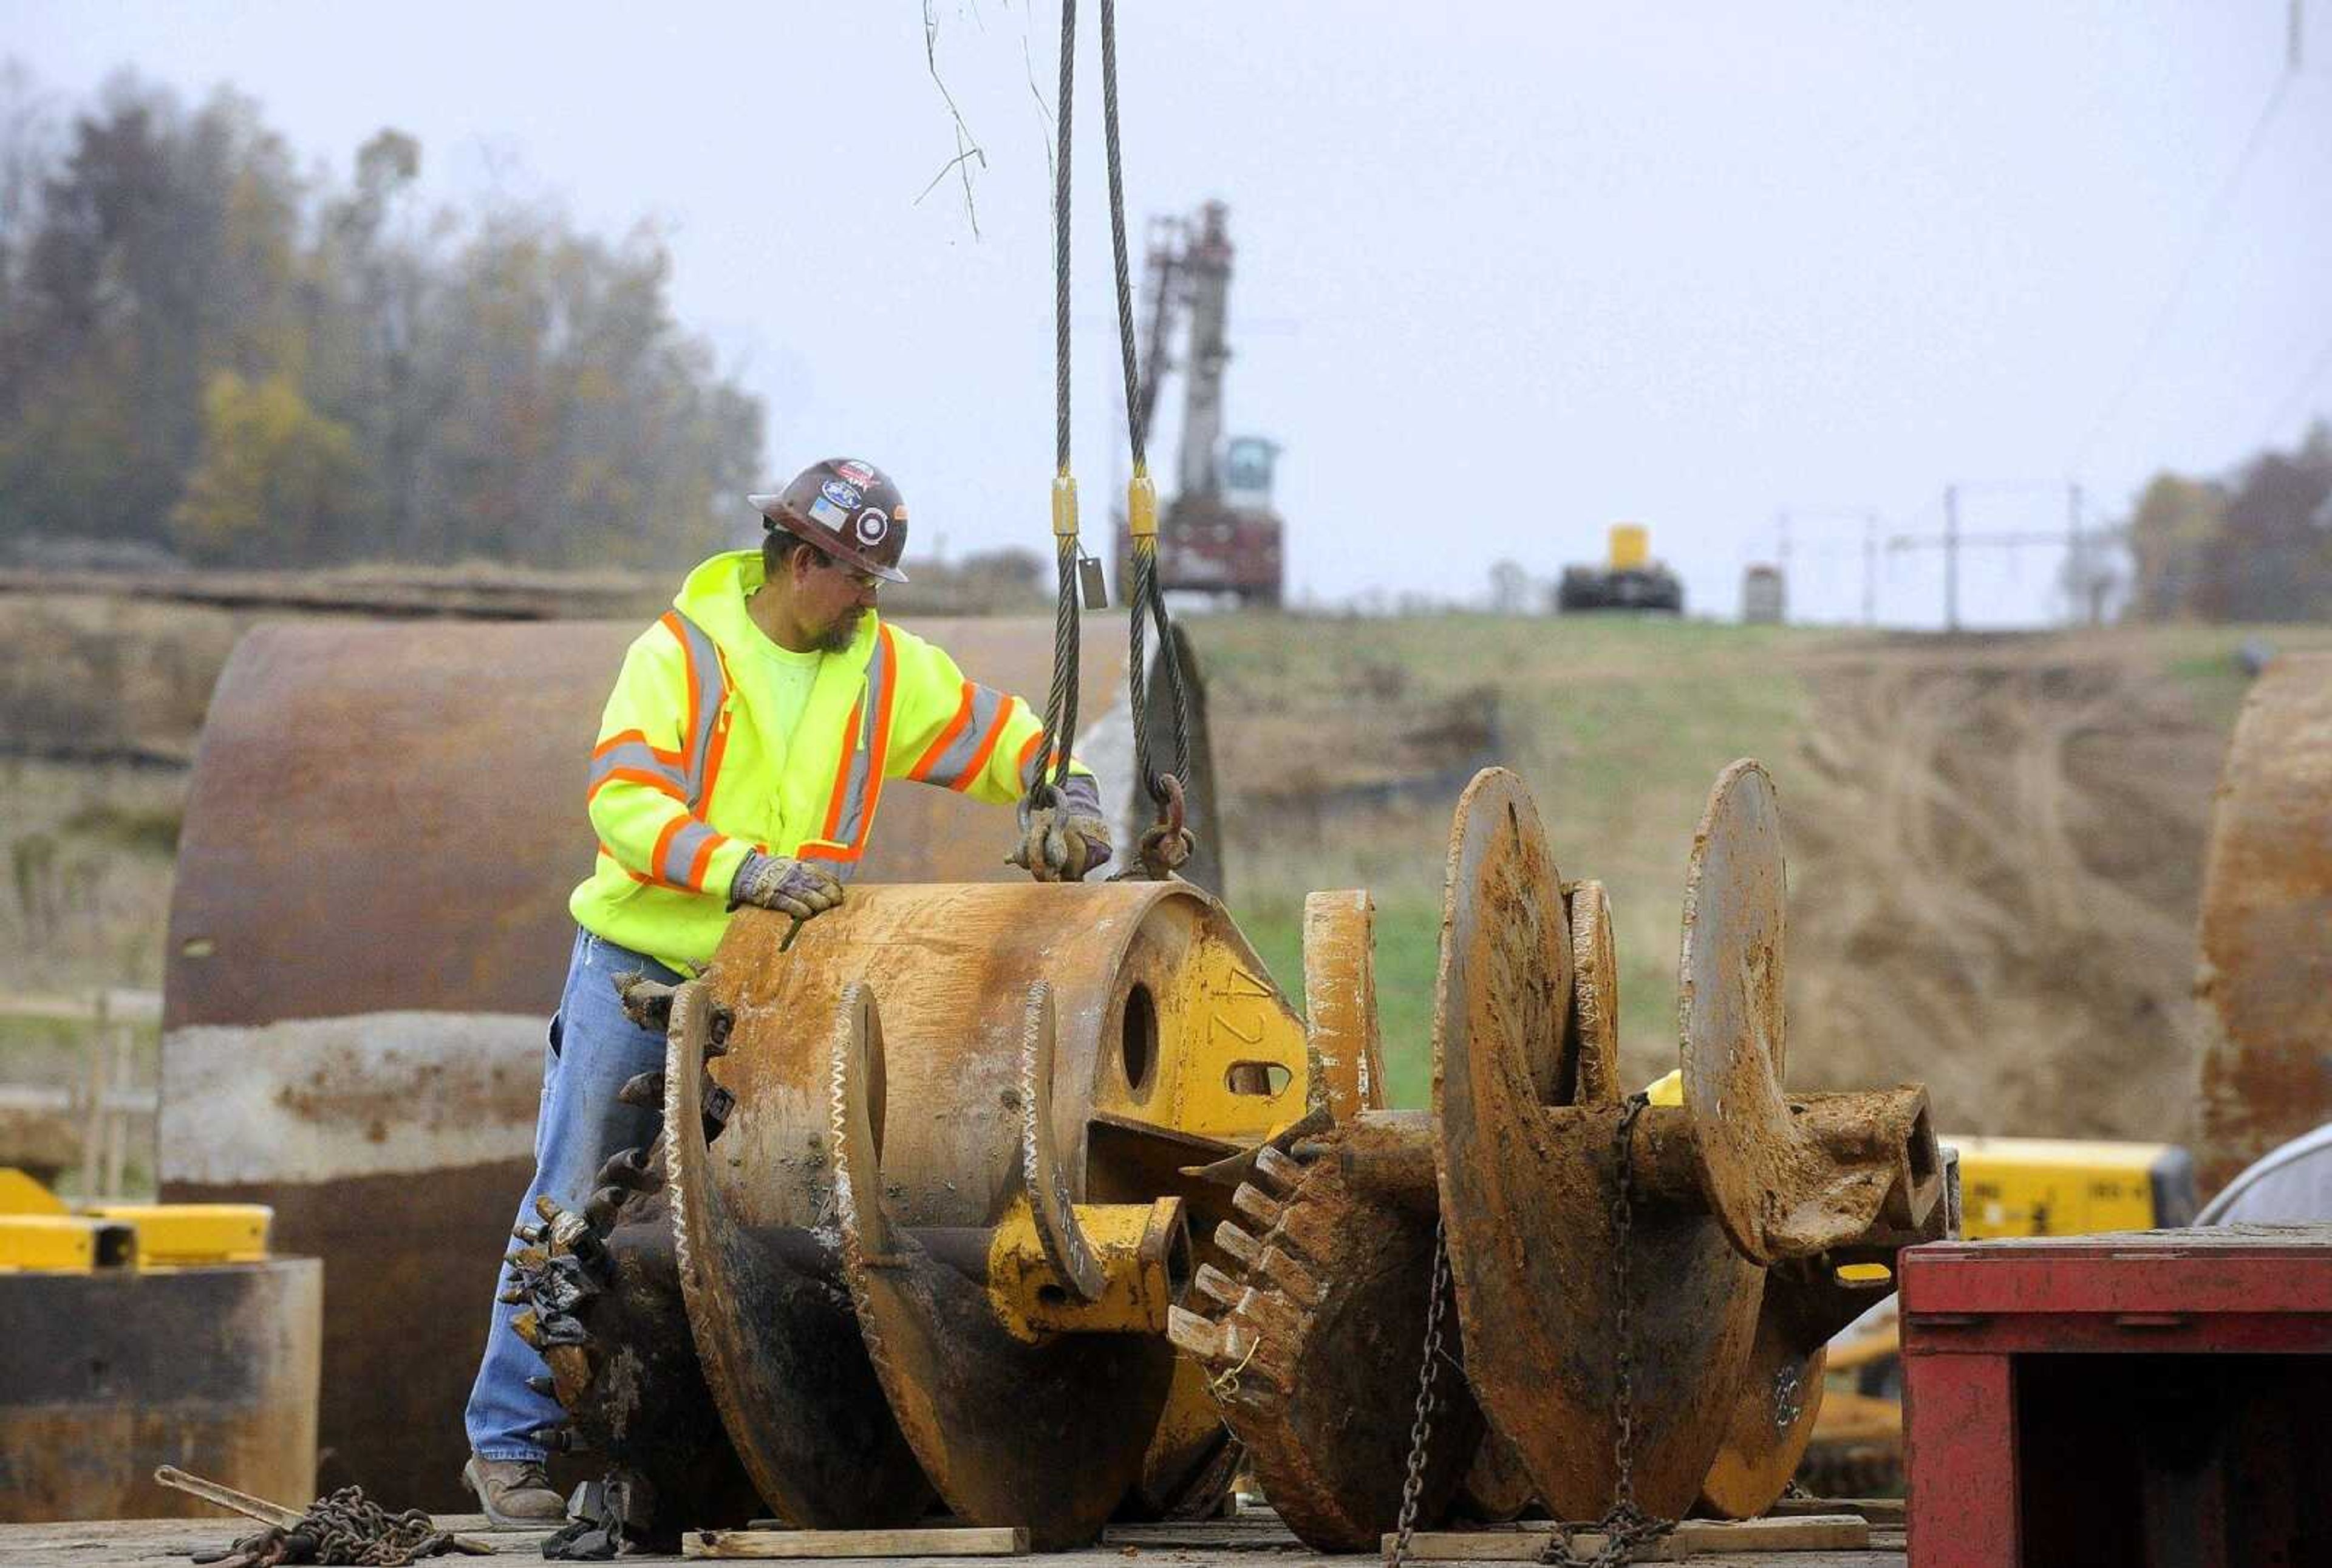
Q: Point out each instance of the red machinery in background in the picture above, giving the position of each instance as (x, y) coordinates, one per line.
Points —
(1219, 534)
(2153, 1398)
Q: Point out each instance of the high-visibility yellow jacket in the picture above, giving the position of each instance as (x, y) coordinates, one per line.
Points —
(687, 777)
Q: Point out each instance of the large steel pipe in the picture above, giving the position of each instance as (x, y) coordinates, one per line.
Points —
(367, 935)
(2265, 979)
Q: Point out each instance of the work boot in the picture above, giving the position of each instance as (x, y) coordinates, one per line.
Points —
(515, 1494)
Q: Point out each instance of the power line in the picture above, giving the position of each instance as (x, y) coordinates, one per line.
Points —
(2195, 252)
(2290, 402)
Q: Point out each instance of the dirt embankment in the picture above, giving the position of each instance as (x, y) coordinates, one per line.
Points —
(1995, 878)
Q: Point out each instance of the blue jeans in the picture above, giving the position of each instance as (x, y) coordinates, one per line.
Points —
(594, 1047)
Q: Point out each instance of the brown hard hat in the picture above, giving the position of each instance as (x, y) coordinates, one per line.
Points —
(846, 508)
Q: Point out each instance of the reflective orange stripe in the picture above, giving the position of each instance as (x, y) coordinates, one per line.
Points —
(979, 763)
(656, 781)
(664, 839)
(923, 769)
(1028, 752)
(842, 775)
(612, 742)
(671, 622)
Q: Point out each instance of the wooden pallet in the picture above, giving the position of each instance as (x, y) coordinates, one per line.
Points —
(1690, 1538)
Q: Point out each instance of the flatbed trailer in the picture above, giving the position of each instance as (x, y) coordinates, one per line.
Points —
(1256, 1540)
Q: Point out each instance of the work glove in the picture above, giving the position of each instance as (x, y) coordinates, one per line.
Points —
(788, 885)
(1063, 841)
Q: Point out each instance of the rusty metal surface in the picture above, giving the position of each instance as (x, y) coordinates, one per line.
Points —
(2264, 983)
(1525, 1190)
(1154, 991)
(107, 1374)
(1788, 1176)
(779, 1347)
(1048, 1435)
(1312, 1329)
(384, 824)
(386, 817)
(1340, 1002)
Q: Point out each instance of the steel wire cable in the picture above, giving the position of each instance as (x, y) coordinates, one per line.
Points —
(1061, 702)
(1147, 599)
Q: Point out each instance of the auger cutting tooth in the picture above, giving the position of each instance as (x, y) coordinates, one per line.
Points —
(647, 1002)
(1217, 1286)
(529, 1329)
(1219, 1345)
(645, 1090)
(718, 1104)
(1252, 1202)
(526, 1258)
(513, 1295)
(599, 1213)
(1246, 1249)
(627, 1168)
(531, 1232)
(1280, 1268)
(1282, 1173)
(559, 1438)
(544, 1384)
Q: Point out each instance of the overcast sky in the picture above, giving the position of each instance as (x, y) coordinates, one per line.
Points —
(1507, 273)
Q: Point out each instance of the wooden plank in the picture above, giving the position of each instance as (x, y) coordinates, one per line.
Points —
(1690, 1538)
(1885, 1511)
(1262, 1531)
(967, 1541)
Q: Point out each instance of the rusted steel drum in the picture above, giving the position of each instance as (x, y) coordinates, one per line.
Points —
(104, 1375)
(2265, 979)
(369, 933)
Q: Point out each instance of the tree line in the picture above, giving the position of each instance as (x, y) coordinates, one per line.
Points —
(2253, 545)
(208, 354)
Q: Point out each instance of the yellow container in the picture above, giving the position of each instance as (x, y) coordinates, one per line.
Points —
(177, 1233)
(71, 1243)
(2069, 1187)
(1631, 545)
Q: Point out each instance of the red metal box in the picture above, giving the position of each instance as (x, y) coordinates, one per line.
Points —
(2149, 1399)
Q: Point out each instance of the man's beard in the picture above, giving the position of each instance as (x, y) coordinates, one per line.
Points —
(840, 634)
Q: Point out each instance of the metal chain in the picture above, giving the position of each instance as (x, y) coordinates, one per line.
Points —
(1420, 1431)
(1626, 1528)
(346, 1527)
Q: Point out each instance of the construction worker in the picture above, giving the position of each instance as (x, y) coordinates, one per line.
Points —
(740, 761)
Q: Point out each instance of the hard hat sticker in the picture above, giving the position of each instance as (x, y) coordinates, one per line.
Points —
(858, 473)
(873, 525)
(840, 492)
(823, 510)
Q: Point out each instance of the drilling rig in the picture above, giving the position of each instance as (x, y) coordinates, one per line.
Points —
(1219, 534)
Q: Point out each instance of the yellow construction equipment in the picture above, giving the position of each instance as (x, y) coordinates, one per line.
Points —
(138, 1334)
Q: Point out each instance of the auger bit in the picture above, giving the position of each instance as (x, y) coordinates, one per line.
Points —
(779, 1343)
(1046, 1432)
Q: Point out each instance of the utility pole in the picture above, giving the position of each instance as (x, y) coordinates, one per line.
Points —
(2085, 609)
(1951, 557)
(1869, 569)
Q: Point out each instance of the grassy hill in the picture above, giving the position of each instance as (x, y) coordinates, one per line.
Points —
(1995, 842)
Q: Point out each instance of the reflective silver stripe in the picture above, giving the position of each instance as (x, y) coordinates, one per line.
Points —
(704, 660)
(639, 758)
(858, 790)
(681, 852)
(954, 765)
